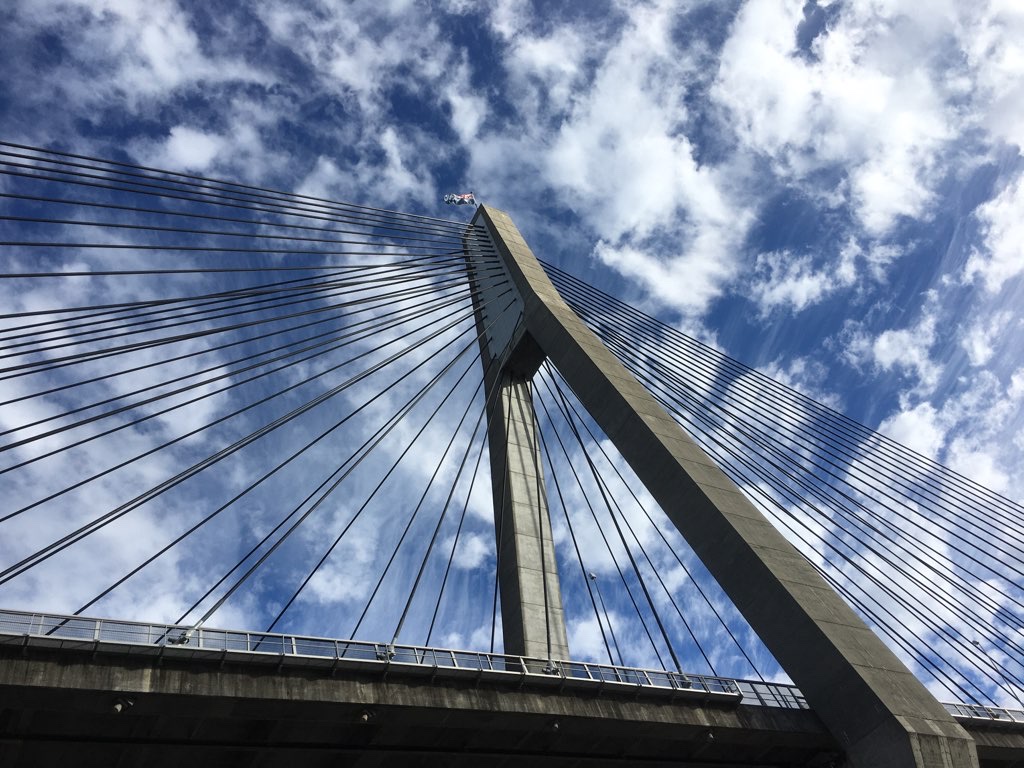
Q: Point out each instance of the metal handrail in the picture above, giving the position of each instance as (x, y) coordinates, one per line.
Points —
(171, 638)
(982, 712)
(115, 634)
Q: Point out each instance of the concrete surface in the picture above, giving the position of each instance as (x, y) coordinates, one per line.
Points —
(880, 714)
(60, 707)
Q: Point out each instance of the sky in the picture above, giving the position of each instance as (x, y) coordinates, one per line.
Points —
(828, 191)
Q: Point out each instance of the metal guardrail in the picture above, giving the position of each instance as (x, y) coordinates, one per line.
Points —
(991, 715)
(139, 638)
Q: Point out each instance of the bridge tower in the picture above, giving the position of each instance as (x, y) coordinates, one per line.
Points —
(874, 707)
(532, 618)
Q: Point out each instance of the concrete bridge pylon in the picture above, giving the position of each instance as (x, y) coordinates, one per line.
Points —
(874, 707)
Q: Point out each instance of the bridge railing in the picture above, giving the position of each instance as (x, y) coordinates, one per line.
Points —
(992, 715)
(149, 639)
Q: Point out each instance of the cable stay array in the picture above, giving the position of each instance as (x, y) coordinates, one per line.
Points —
(929, 558)
(225, 405)
(230, 404)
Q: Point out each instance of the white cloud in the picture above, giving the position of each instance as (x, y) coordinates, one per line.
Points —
(469, 110)
(360, 55)
(993, 33)
(360, 50)
(980, 338)
(918, 428)
(982, 465)
(907, 351)
(879, 257)
(547, 69)
(686, 284)
(972, 425)
(401, 179)
(189, 149)
(458, 7)
(1016, 390)
(621, 159)
(508, 17)
(473, 550)
(345, 576)
(806, 376)
(130, 51)
(867, 101)
(392, 180)
(1001, 258)
(783, 279)
(587, 641)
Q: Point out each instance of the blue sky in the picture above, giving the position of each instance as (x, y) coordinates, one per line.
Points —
(831, 192)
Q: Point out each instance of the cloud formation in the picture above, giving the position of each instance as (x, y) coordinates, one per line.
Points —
(830, 191)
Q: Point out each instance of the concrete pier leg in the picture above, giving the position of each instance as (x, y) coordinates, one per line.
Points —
(532, 619)
(527, 570)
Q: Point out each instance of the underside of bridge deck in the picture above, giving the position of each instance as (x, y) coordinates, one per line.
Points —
(73, 708)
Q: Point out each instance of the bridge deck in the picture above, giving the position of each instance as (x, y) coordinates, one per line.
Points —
(93, 692)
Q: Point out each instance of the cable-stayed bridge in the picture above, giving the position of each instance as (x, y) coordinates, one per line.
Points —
(452, 504)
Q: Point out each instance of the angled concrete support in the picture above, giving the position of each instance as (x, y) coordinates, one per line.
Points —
(880, 714)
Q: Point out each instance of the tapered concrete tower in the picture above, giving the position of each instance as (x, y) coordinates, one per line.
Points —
(532, 619)
(874, 707)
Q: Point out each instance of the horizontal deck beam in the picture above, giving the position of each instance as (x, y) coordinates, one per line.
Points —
(86, 700)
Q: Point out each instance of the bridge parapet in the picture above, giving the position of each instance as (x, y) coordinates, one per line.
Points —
(148, 639)
(128, 693)
(160, 641)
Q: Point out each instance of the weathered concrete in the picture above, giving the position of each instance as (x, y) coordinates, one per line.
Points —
(57, 707)
(533, 622)
(877, 710)
(532, 619)
(998, 745)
